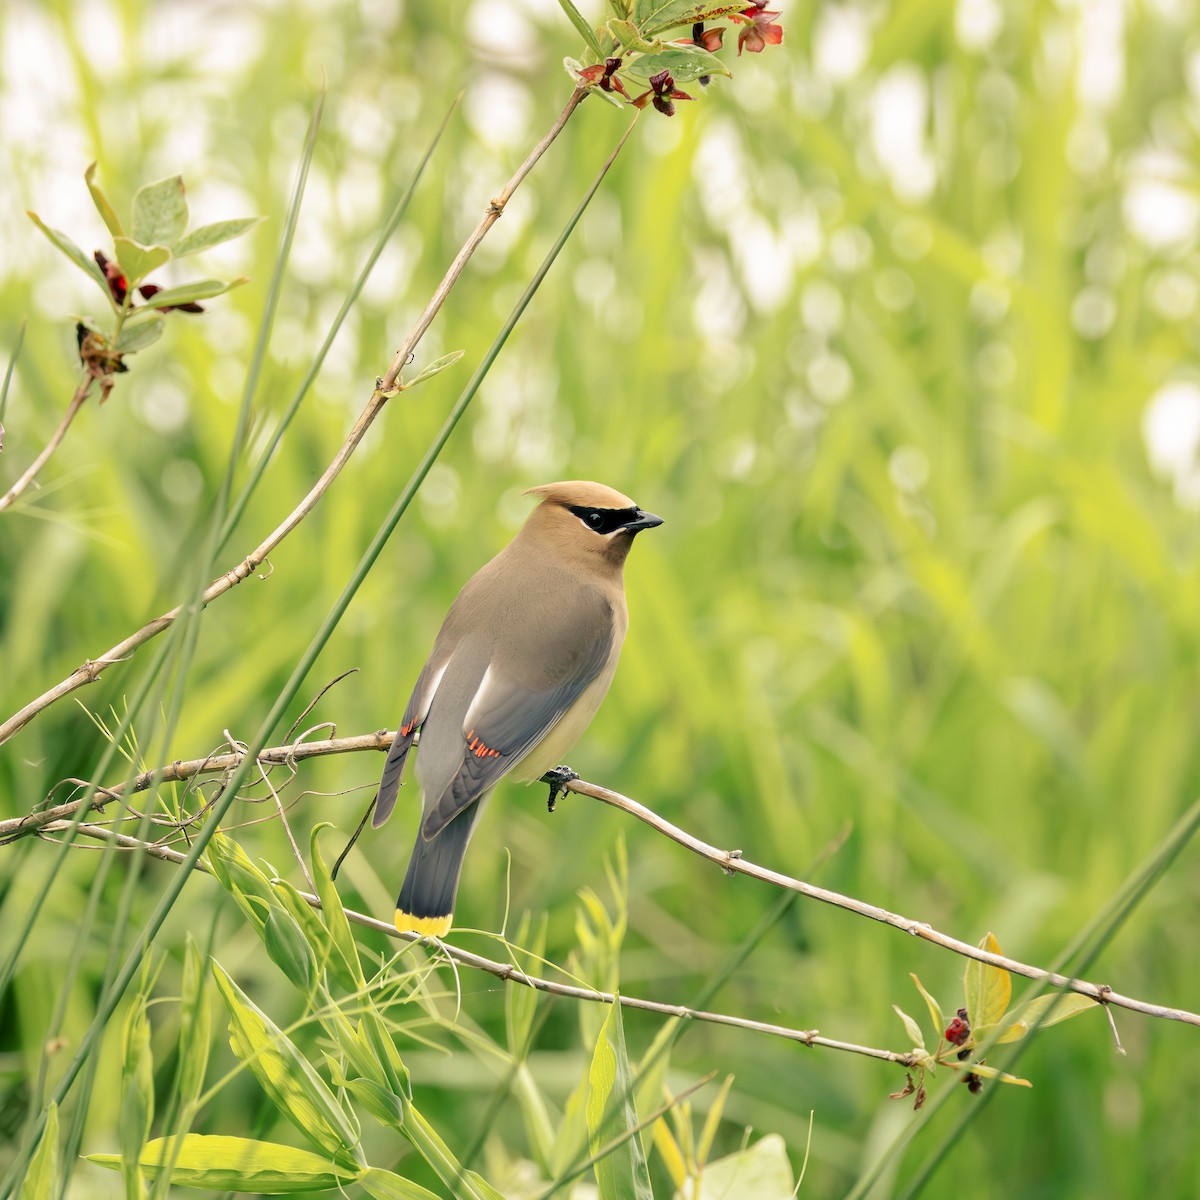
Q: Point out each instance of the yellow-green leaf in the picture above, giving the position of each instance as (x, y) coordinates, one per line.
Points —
(712, 1122)
(304, 915)
(289, 949)
(194, 1024)
(1050, 1010)
(466, 1185)
(684, 62)
(345, 962)
(189, 293)
(761, 1171)
(584, 29)
(670, 1153)
(137, 1095)
(42, 1178)
(987, 1072)
(100, 200)
(160, 212)
(988, 989)
(384, 1185)
(137, 260)
(611, 1116)
(287, 1077)
(74, 253)
(911, 1027)
(223, 1164)
(137, 335)
(249, 887)
(935, 1009)
(213, 235)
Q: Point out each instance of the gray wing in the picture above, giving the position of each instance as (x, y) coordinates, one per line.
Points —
(516, 705)
(414, 717)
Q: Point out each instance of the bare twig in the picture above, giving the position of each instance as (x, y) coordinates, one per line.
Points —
(91, 670)
(510, 973)
(730, 861)
(15, 827)
(30, 473)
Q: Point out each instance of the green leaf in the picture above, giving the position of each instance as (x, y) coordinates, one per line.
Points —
(249, 887)
(160, 212)
(684, 62)
(629, 35)
(390, 1068)
(465, 1185)
(435, 368)
(655, 16)
(287, 1077)
(584, 29)
(137, 1095)
(100, 200)
(207, 236)
(189, 293)
(621, 1174)
(986, 1072)
(42, 1178)
(1050, 1010)
(911, 1027)
(1007, 1031)
(345, 950)
(520, 1003)
(302, 912)
(289, 950)
(137, 259)
(761, 1171)
(386, 1108)
(712, 1122)
(194, 1025)
(73, 252)
(137, 335)
(223, 1164)
(935, 1009)
(988, 989)
(384, 1185)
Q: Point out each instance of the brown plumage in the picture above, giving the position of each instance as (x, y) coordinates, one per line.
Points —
(522, 662)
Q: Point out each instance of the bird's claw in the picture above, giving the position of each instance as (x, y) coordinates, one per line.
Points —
(558, 778)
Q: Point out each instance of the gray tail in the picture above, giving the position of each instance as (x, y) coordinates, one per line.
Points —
(427, 895)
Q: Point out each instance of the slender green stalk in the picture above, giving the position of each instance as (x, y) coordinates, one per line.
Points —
(351, 298)
(8, 374)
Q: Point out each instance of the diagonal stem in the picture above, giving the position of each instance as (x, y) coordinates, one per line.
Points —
(30, 473)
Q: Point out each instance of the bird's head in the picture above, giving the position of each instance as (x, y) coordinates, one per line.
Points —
(586, 519)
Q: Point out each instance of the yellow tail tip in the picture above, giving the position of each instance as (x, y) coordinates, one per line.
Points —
(425, 926)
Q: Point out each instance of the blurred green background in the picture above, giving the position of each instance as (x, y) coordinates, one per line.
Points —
(898, 331)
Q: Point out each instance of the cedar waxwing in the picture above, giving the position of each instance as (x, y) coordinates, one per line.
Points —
(520, 667)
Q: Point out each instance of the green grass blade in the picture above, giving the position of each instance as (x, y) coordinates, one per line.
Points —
(351, 298)
(8, 374)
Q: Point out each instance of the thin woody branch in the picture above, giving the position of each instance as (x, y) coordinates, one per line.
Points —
(730, 861)
(30, 473)
(90, 671)
(510, 973)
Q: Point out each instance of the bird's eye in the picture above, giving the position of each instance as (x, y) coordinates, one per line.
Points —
(595, 520)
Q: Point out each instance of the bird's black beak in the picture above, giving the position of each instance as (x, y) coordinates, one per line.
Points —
(642, 520)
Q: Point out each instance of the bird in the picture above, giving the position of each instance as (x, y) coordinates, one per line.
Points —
(522, 662)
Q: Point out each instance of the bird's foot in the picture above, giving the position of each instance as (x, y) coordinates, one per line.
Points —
(558, 779)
